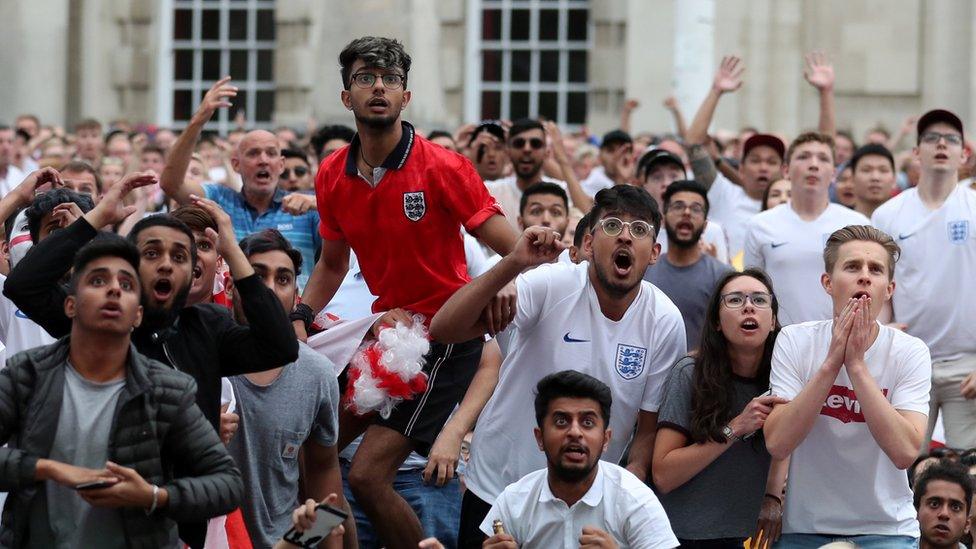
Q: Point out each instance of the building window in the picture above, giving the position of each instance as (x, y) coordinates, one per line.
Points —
(214, 38)
(533, 56)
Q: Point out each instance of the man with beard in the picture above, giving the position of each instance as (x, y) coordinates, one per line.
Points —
(399, 202)
(599, 315)
(685, 274)
(260, 204)
(201, 340)
(943, 499)
(572, 413)
(528, 151)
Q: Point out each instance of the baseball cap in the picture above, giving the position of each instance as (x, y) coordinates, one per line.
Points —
(938, 115)
(655, 157)
(615, 137)
(767, 140)
(869, 149)
(490, 126)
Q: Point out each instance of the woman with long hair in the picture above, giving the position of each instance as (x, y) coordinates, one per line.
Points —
(710, 464)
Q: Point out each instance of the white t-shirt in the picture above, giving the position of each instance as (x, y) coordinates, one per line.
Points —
(17, 332)
(559, 326)
(713, 234)
(840, 481)
(937, 268)
(617, 503)
(596, 181)
(13, 178)
(509, 196)
(731, 206)
(791, 251)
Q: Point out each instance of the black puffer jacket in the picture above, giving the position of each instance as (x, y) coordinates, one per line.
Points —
(157, 428)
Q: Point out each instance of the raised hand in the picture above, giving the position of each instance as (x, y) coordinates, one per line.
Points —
(729, 75)
(111, 209)
(224, 236)
(819, 72)
(298, 203)
(218, 96)
(34, 183)
(556, 139)
(537, 245)
(671, 103)
(631, 105)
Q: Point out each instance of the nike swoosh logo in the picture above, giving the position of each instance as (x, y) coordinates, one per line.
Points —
(568, 339)
(904, 236)
(777, 244)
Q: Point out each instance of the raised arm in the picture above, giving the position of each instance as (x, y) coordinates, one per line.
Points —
(581, 200)
(172, 179)
(627, 112)
(680, 126)
(820, 74)
(728, 78)
(459, 319)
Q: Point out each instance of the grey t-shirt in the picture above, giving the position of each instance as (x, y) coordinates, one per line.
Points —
(723, 500)
(689, 288)
(84, 426)
(276, 419)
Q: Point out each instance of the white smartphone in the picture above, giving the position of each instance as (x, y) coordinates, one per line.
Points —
(327, 517)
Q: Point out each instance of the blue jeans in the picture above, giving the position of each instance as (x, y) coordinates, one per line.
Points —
(814, 541)
(439, 509)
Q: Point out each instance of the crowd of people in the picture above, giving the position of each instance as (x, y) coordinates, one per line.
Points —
(505, 335)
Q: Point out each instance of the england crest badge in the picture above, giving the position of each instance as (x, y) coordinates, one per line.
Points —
(414, 205)
(958, 231)
(630, 360)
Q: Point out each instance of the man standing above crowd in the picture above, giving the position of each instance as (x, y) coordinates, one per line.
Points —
(686, 274)
(257, 158)
(935, 224)
(399, 202)
(874, 172)
(600, 316)
(788, 242)
(858, 395)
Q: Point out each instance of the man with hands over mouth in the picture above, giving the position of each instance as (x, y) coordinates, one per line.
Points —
(859, 400)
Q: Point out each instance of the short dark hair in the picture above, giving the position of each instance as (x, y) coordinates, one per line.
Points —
(543, 187)
(103, 245)
(572, 384)
(947, 471)
(153, 148)
(45, 203)
(116, 133)
(869, 149)
(626, 199)
(80, 166)
(582, 227)
(686, 186)
(811, 137)
(195, 217)
(293, 153)
(524, 125)
(375, 51)
(270, 240)
(87, 124)
(164, 220)
(328, 133)
(439, 133)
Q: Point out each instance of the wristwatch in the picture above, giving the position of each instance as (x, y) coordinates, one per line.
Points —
(730, 434)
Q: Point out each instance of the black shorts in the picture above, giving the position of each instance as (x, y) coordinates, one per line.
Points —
(473, 513)
(449, 369)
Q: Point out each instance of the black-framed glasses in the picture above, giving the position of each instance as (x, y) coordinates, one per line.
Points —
(680, 207)
(534, 142)
(300, 171)
(613, 227)
(391, 81)
(737, 300)
(934, 137)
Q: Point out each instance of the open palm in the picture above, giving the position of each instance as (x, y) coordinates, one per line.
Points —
(819, 72)
(729, 75)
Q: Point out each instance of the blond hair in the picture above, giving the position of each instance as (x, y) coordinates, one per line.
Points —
(864, 233)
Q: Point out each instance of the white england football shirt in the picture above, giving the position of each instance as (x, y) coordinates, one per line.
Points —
(17, 332)
(732, 208)
(791, 251)
(559, 326)
(937, 269)
(840, 481)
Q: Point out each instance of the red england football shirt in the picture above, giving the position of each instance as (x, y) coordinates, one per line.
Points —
(406, 230)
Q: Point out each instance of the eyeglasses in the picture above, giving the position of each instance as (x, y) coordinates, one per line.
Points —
(300, 171)
(737, 300)
(535, 143)
(934, 137)
(613, 227)
(680, 207)
(391, 81)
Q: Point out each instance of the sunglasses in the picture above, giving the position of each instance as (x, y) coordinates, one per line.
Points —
(299, 172)
(535, 143)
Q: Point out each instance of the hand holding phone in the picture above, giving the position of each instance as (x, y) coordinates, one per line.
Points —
(326, 519)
